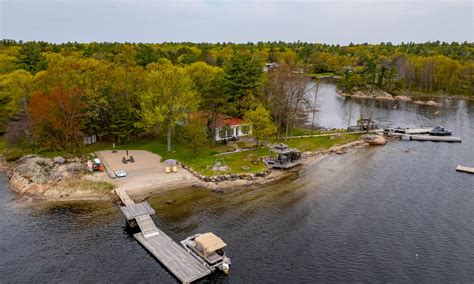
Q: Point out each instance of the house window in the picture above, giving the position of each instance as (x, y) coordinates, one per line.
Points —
(222, 133)
(245, 129)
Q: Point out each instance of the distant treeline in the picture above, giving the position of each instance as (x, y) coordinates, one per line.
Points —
(52, 94)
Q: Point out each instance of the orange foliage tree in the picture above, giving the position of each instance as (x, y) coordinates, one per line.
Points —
(57, 117)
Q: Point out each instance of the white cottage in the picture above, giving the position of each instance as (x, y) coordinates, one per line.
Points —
(231, 128)
(226, 127)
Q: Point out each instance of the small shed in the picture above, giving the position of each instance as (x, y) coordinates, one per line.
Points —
(89, 139)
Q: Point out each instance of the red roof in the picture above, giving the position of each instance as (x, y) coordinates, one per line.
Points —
(223, 121)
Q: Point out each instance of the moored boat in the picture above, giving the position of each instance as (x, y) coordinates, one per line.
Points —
(440, 131)
(209, 249)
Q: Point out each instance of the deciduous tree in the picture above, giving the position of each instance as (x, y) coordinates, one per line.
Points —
(262, 123)
(168, 97)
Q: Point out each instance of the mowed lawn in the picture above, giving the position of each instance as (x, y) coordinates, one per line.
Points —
(321, 142)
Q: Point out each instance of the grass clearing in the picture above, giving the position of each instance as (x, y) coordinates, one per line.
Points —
(322, 74)
(321, 142)
(302, 132)
(205, 159)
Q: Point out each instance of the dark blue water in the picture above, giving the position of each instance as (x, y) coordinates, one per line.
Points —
(375, 215)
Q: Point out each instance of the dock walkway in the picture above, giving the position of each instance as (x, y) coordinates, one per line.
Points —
(465, 169)
(174, 257)
(435, 138)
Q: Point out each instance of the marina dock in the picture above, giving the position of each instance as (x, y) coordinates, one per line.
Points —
(419, 135)
(435, 138)
(174, 257)
(468, 170)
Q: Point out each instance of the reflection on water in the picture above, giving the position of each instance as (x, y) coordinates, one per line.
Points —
(375, 215)
(335, 111)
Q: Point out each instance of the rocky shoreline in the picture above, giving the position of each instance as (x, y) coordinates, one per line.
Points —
(382, 95)
(225, 182)
(37, 178)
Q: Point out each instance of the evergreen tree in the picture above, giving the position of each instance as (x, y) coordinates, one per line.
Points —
(243, 76)
(31, 58)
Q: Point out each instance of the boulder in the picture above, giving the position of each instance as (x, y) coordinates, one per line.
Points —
(403, 98)
(428, 103)
(59, 160)
(432, 103)
(35, 169)
(382, 95)
(34, 175)
(374, 139)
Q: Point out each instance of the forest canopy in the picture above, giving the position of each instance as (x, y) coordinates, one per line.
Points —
(53, 94)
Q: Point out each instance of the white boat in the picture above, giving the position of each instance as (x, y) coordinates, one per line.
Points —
(209, 249)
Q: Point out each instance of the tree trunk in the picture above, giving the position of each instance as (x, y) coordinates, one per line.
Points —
(168, 137)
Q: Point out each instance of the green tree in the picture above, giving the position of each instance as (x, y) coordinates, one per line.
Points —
(146, 55)
(31, 58)
(193, 135)
(169, 96)
(262, 124)
(243, 76)
(15, 89)
(208, 81)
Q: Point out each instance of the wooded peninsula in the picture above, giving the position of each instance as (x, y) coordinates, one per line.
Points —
(54, 95)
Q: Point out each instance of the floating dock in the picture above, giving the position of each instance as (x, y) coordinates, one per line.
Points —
(175, 258)
(435, 138)
(469, 170)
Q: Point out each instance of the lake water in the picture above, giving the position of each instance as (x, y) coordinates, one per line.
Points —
(375, 215)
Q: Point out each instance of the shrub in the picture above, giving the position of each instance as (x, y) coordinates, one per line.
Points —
(13, 154)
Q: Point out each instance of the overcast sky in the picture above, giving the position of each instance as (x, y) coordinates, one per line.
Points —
(237, 21)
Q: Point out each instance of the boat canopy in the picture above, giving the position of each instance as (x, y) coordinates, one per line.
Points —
(209, 243)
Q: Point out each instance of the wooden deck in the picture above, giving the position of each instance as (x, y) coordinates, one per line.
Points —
(404, 136)
(126, 200)
(183, 265)
(173, 256)
(469, 170)
(134, 210)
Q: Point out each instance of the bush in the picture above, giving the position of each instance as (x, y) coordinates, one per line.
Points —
(194, 136)
(13, 154)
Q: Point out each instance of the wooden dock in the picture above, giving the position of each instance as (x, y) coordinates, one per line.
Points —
(435, 138)
(469, 170)
(175, 258)
(404, 136)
